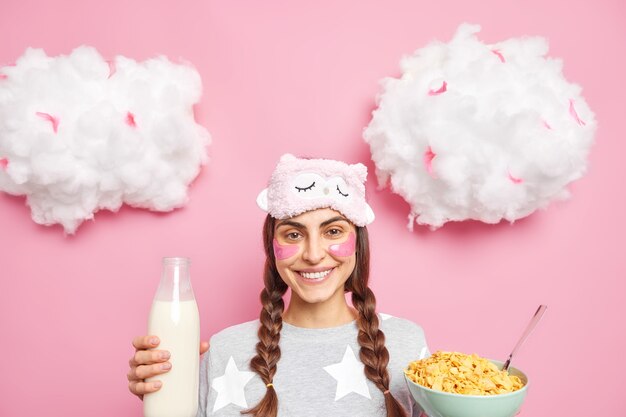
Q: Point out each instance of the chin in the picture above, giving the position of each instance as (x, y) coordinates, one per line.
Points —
(314, 297)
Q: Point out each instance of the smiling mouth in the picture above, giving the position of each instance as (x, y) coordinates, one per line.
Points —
(315, 276)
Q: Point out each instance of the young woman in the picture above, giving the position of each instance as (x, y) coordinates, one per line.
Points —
(320, 356)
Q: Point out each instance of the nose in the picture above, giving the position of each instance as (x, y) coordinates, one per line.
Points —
(314, 250)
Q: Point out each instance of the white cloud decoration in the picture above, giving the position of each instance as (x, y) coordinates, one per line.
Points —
(476, 131)
(79, 134)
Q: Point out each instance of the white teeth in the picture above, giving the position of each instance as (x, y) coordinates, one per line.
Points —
(315, 275)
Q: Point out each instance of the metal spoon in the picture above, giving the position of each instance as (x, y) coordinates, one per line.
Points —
(529, 329)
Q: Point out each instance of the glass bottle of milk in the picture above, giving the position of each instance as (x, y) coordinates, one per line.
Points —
(175, 320)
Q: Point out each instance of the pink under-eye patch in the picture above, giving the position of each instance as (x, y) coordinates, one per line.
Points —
(284, 251)
(346, 248)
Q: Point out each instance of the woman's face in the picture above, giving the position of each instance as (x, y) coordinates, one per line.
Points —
(315, 253)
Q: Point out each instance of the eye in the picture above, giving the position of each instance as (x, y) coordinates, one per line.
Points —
(292, 236)
(339, 191)
(305, 189)
(334, 232)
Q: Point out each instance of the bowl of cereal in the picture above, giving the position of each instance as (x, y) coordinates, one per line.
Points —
(452, 384)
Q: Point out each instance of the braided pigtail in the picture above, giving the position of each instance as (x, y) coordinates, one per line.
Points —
(268, 350)
(373, 353)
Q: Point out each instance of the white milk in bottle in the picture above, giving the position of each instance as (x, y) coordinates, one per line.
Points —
(175, 320)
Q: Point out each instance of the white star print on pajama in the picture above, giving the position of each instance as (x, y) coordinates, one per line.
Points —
(319, 372)
(230, 386)
(349, 375)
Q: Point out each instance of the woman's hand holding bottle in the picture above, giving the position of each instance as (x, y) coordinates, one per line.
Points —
(148, 362)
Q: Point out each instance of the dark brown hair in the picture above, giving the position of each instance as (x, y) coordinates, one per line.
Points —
(373, 352)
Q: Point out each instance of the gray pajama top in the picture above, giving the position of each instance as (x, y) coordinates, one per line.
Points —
(319, 372)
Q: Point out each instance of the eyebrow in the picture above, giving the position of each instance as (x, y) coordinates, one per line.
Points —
(301, 226)
(332, 220)
(290, 223)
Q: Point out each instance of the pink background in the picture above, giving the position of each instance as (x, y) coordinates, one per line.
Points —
(291, 77)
